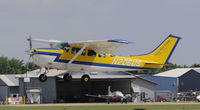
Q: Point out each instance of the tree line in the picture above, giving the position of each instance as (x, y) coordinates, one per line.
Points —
(16, 66)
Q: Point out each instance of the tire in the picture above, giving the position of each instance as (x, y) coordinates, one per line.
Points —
(85, 78)
(67, 77)
(43, 78)
(108, 101)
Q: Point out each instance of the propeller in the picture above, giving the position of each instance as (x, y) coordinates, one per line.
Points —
(30, 42)
(30, 52)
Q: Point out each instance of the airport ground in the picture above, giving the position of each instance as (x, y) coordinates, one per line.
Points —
(104, 106)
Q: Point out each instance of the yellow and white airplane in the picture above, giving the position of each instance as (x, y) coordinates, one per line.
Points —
(96, 56)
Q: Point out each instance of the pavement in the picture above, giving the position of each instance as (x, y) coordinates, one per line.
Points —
(105, 104)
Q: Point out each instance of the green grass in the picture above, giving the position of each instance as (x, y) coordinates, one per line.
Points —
(108, 107)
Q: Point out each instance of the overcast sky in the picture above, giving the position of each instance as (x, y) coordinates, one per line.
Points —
(145, 22)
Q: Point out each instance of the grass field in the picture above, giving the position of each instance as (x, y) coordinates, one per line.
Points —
(107, 107)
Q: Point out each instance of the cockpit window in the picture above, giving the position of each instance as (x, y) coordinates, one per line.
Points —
(92, 53)
(65, 46)
(76, 50)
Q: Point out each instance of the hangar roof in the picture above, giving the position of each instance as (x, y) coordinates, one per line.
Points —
(10, 80)
(176, 72)
(198, 70)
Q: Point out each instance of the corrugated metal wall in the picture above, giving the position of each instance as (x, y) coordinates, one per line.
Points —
(140, 86)
(189, 81)
(6, 90)
(48, 88)
(163, 83)
(3, 93)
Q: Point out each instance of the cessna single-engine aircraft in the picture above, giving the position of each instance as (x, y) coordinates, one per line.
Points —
(96, 56)
(115, 95)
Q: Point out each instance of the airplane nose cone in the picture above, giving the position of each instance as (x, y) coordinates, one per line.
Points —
(31, 52)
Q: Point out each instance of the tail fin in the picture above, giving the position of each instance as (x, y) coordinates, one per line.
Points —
(163, 52)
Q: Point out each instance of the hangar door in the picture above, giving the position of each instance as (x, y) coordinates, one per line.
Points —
(75, 91)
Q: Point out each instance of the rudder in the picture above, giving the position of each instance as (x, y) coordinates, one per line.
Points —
(163, 52)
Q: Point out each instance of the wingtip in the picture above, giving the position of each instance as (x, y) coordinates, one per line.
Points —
(120, 41)
(171, 35)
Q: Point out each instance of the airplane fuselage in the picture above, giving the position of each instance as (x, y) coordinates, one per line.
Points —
(118, 94)
(59, 59)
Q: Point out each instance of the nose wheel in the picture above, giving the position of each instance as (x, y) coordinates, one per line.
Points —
(85, 78)
(43, 77)
(67, 77)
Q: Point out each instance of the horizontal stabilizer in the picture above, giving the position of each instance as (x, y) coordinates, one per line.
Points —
(155, 64)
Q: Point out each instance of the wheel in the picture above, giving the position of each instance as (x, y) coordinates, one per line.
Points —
(67, 77)
(85, 78)
(43, 77)
(126, 101)
(108, 101)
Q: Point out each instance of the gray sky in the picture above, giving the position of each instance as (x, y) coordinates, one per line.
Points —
(145, 22)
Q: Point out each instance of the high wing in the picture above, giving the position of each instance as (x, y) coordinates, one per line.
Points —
(107, 46)
(51, 43)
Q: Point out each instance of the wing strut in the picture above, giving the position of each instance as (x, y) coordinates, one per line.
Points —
(81, 50)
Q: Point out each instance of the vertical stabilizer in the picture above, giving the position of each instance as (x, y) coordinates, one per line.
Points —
(163, 52)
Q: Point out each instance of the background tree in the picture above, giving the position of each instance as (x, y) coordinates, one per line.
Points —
(31, 66)
(15, 66)
(195, 65)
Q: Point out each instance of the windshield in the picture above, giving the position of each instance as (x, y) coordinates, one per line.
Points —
(64, 45)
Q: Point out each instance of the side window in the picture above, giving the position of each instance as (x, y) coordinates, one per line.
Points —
(75, 51)
(102, 55)
(111, 55)
(91, 53)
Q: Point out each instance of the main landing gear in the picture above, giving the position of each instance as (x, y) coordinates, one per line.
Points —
(67, 77)
(85, 78)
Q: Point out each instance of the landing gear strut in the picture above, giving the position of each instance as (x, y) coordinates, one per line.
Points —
(85, 78)
(43, 77)
(67, 77)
